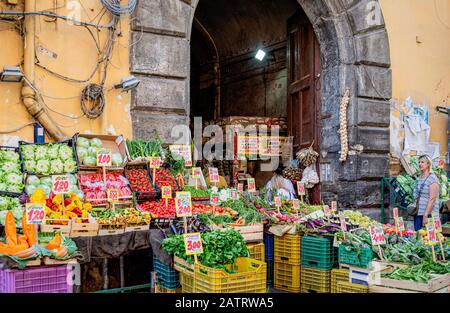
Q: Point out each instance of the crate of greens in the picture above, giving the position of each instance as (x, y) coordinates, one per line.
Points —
(11, 177)
(142, 151)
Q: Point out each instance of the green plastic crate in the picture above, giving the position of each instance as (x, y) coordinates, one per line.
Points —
(318, 252)
(363, 259)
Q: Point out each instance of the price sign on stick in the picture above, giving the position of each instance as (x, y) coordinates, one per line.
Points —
(113, 195)
(213, 175)
(155, 162)
(214, 198)
(377, 236)
(296, 204)
(196, 173)
(183, 151)
(35, 213)
(104, 157)
(60, 184)
(193, 244)
(301, 189)
(277, 201)
(251, 185)
(395, 213)
(183, 204)
(401, 224)
(166, 192)
(333, 206)
(441, 164)
(326, 210)
(437, 222)
(431, 232)
(240, 188)
(342, 220)
(233, 194)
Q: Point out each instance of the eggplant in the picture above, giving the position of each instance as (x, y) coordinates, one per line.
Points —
(317, 222)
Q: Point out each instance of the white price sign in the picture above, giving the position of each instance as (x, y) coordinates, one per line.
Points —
(213, 175)
(193, 243)
(104, 157)
(342, 220)
(301, 189)
(60, 184)
(377, 236)
(35, 213)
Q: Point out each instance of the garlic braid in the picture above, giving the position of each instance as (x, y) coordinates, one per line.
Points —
(343, 125)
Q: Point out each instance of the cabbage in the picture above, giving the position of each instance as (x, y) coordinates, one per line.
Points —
(2, 186)
(18, 188)
(65, 152)
(53, 151)
(46, 189)
(43, 166)
(82, 152)
(90, 161)
(4, 203)
(70, 166)
(27, 151)
(14, 178)
(18, 213)
(116, 159)
(33, 180)
(56, 166)
(46, 181)
(30, 165)
(96, 142)
(10, 155)
(30, 189)
(73, 180)
(92, 151)
(11, 167)
(9, 203)
(41, 152)
(82, 143)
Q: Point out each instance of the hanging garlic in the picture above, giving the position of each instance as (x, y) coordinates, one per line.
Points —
(343, 125)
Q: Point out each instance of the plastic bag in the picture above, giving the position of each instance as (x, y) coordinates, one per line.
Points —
(310, 177)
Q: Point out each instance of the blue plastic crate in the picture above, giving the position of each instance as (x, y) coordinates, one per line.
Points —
(270, 271)
(268, 244)
(167, 276)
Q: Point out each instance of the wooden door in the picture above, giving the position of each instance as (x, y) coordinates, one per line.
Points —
(304, 67)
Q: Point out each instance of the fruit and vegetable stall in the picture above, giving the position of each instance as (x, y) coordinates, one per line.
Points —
(65, 204)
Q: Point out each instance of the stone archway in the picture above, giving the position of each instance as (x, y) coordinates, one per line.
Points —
(355, 54)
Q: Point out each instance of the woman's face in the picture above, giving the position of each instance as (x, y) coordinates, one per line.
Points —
(423, 165)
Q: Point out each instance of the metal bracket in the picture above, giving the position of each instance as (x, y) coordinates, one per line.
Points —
(442, 110)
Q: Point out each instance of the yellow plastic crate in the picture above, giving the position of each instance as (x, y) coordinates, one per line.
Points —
(249, 277)
(287, 249)
(286, 277)
(346, 287)
(187, 282)
(336, 276)
(257, 251)
(161, 289)
(315, 280)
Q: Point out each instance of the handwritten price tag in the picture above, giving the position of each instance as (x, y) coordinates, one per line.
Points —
(155, 162)
(35, 213)
(233, 194)
(342, 220)
(196, 173)
(113, 195)
(193, 243)
(60, 184)
(437, 222)
(104, 157)
(431, 232)
(333, 206)
(441, 163)
(301, 189)
(377, 236)
(183, 151)
(401, 224)
(240, 188)
(296, 204)
(213, 175)
(326, 210)
(183, 204)
(251, 185)
(214, 198)
(166, 192)
(277, 202)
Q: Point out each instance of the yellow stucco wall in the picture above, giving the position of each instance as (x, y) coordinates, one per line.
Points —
(76, 56)
(419, 39)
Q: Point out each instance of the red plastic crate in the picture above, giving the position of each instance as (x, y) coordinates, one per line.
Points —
(44, 279)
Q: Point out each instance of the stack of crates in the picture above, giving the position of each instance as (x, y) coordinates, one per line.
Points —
(257, 251)
(318, 258)
(346, 287)
(268, 246)
(287, 266)
(338, 275)
(166, 277)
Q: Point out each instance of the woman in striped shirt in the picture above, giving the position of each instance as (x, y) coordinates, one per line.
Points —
(427, 190)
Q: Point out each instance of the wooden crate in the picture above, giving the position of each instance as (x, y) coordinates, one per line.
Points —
(438, 282)
(182, 266)
(84, 229)
(251, 233)
(63, 229)
(49, 261)
(31, 263)
(381, 289)
(130, 228)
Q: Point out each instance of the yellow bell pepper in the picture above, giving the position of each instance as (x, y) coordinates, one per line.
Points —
(76, 201)
(71, 214)
(57, 199)
(70, 207)
(38, 196)
(87, 206)
(85, 214)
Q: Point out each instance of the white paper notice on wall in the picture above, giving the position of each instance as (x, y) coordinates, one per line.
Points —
(417, 133)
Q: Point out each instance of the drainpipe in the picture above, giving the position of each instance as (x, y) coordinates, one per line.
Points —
(216, 67)
(28, 95)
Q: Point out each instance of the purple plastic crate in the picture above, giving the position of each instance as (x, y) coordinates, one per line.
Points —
(43, 279)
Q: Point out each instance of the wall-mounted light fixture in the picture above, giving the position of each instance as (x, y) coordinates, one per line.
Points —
(261, 55)
(128, 83)
(11, 74)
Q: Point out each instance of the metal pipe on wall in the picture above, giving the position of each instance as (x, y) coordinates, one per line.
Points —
(28, 94)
